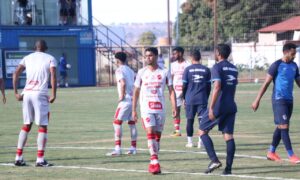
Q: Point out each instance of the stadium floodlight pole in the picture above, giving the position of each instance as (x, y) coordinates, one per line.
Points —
(215, 23)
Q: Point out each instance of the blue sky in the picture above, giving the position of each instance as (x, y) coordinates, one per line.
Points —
(127, 11)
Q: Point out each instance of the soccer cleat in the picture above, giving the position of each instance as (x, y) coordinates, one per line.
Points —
(213, 166)
(189, 145)
(131, 151)
(20, 163)
(273, 156)
(226, 172)
(114, 153)
(176, 134)
(154, 168)
(200, 144)
(43, 164)
(294, 159)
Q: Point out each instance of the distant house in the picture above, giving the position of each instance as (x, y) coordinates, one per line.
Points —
(269, 46)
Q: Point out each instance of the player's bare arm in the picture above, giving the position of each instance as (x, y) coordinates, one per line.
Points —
(261, 92)
(298, 82)
(16, 76)
(215, 94)
(173, 100)
(123, 87)
(2, 90)
(135, 97)
(53, 84)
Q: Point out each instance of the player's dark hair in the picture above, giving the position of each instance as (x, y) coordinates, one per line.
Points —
(224, 50)
(196, 55)
(179, 49)
(40, 45)
(121, 56)
(153, 50)
(289, 46)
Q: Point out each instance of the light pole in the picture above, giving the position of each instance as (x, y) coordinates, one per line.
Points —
(215, 24)
(169, 29)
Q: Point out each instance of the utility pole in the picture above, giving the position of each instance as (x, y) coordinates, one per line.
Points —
(169, 28)
(215, 23)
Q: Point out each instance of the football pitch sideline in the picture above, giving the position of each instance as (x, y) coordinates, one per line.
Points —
(80, 133)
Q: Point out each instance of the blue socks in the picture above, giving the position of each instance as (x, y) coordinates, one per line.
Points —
(287, 142)
(230, 153)
(209, 147)
(276, 140)
(190, 127)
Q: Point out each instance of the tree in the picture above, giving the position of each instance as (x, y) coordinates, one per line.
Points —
(238, 20)
(147, 38)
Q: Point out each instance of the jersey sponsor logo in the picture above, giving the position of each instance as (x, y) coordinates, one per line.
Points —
(197, 77)
(178, 88)
(31, 85)
(229, 69)
(155, 105)
(230, 79)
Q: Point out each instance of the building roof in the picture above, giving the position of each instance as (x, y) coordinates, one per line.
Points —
(290, 24)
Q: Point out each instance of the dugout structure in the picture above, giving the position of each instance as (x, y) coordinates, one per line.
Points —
(21, 26)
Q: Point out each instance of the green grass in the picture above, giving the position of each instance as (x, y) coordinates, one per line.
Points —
(82, 118)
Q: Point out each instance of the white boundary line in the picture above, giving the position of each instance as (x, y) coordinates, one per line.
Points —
(164, 172)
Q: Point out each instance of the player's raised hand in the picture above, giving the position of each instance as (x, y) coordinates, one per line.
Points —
(19, 97)
(134, 116)
(52, 99)
(255, 105)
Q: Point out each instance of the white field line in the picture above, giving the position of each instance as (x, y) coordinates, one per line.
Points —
(164, 172)
(141, 149)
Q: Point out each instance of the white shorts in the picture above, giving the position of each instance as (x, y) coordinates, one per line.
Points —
(155, 120)
(36, 108)
(124, 111)
(179, 102)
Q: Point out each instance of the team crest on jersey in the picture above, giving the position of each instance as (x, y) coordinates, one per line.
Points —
(159, 76)
(147, 119)
(154, 91)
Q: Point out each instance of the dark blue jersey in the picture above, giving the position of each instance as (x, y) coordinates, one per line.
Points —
(283, 75)
(227, 74)
(197, 79)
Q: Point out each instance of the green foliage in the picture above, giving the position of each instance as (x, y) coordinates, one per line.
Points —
(238, 20)
(147, 38)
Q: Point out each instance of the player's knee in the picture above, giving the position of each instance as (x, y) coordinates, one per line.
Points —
(26, 127)
(201, 133)
(43, 129)
(118, 122)
(227, 137)
(131, 122)
(283, 126)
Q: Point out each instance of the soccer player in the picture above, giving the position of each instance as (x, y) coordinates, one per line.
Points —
(196, 90)
(63, 75)
(35, 99)
(222, 108)
(149, 85)
(2, 87)
(177, 69)
(282, 72)
(125, 81)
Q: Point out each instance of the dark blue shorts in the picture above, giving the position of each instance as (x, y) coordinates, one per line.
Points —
(63, 74)
(282, 111)
(225, 122)
(192, 110)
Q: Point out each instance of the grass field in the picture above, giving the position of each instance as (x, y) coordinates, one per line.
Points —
(80, 134)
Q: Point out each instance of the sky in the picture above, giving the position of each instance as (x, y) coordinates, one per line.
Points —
(133, 11)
